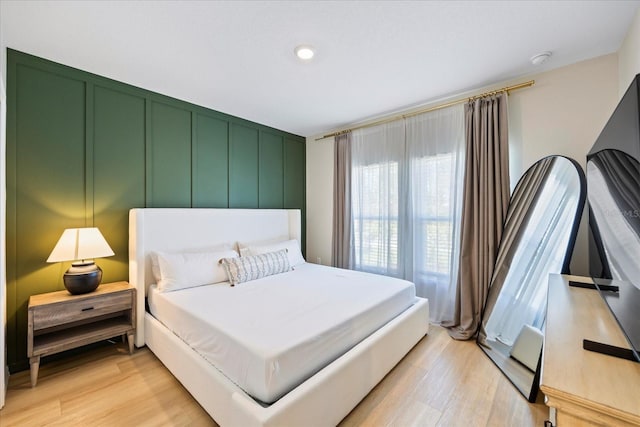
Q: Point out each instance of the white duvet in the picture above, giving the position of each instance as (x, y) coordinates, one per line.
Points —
(271, 334)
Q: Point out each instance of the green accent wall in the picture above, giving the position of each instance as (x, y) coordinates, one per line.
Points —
(211, 162)
(271, 171)
(243, 167)
(83, 149)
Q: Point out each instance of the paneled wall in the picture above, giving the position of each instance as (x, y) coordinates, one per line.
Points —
(82, 150)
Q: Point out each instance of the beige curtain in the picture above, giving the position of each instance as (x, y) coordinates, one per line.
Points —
(485, 203)
(341, 236)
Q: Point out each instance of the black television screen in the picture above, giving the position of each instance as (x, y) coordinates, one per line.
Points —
(613, 183)
(613, 194)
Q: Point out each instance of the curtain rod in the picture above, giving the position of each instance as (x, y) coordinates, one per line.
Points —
(426, 110)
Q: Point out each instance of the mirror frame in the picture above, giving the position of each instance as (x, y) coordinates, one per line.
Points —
(533, 392)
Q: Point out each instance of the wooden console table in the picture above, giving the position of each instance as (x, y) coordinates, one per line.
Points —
(584, 387)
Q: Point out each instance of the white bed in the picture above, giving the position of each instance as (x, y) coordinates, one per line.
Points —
(269, 335)
(324, 398)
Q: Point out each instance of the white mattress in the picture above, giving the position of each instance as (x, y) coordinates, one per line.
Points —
(270, 335)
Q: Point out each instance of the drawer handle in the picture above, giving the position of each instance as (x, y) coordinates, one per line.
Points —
(87, 309)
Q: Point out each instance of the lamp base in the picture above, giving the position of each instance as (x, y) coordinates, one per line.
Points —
(82, 278)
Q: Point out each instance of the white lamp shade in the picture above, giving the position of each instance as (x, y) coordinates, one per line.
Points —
(79, 244)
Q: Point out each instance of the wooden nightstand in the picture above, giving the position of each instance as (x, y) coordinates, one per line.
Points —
(59, 321)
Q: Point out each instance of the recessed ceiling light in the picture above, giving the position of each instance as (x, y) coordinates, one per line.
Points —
(304, 52)
(540, 58)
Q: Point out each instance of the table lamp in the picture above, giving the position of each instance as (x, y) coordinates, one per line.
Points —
(81, 245)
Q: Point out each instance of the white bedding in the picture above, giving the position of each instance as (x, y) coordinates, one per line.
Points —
(271, 334)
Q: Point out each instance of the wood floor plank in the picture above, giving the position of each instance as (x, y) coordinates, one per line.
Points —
(427, 351)
(35, 414)
(440, 382)
(512, 411)
(456, 390)
(416, 414)
(448, 370)
(391, 392)
(477, 385)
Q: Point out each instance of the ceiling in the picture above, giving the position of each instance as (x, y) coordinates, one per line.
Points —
(372, 58)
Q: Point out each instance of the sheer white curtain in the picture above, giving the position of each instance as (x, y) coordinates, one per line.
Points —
(377, 155)
(407, 179)
(435, 148)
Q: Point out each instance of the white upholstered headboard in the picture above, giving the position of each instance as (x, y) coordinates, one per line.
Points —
(176, 229)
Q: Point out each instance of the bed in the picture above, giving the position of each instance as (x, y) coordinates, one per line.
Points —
(338, 382)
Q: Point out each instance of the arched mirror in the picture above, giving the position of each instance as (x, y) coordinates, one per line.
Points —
(538, 238)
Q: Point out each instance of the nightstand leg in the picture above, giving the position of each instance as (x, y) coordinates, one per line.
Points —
(130, 340)
(35, 366)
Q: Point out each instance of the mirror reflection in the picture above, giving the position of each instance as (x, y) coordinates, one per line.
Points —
(614, 197)
(538, 239)
(613, 178)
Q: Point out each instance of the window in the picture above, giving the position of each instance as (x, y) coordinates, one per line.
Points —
(434, 223)
(376, 218)
(406, 198)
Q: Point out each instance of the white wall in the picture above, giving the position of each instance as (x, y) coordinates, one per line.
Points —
(629, 56)
(4, 376)
(319, 200)
(563, 113)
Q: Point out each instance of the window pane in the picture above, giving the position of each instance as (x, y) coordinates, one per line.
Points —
(434, 222)
(375, 212)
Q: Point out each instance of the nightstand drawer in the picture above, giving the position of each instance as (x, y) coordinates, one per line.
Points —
(48, 316)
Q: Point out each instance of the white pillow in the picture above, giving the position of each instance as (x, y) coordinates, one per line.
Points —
(293, 250)
(244, 247)
(254, 267)
(189, 269)
(153, 256)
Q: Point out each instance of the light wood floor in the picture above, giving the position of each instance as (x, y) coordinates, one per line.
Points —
(441, 382)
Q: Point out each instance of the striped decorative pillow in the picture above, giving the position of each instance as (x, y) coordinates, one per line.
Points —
(254, 267)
